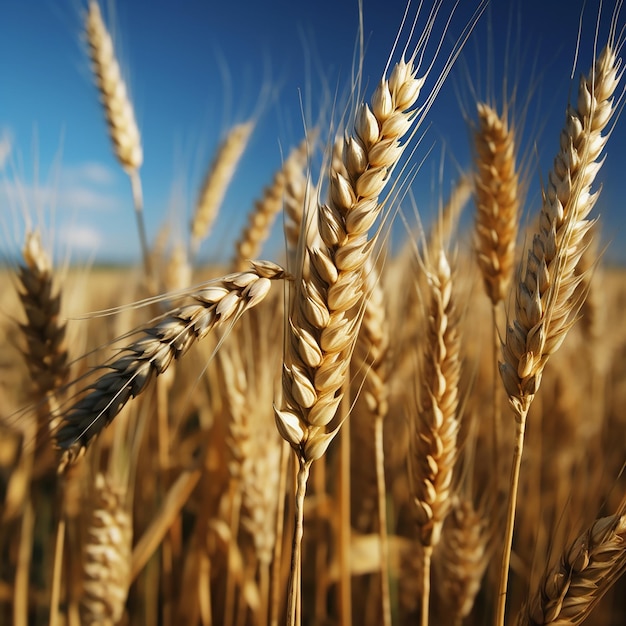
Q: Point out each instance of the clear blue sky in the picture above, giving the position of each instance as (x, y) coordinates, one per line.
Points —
(196, 66)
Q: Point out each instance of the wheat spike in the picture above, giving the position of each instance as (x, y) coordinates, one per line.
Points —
(221, 303)
(545, 303)
(497, 200)
(261, 219)
(436, 422)
(544, 307)
(45, 352)
(322, 328)
(117, 106)
(587, 570)
(106, 569)
(216, 182)
(462, 557)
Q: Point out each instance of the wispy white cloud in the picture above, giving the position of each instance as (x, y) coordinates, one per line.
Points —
(87, 187)
(89, 173)
(6, 145)
(80, 238)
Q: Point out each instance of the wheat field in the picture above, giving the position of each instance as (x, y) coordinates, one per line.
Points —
(355, 431)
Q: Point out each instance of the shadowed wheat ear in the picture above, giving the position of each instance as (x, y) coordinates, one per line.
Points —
(587, 570)
(545, 306)
(106, 569)
(497, 200)
(119, 113)
(497, 194)
(435, 423)
(223, 302)
(45, 353)
(462, 557)
(216, 182)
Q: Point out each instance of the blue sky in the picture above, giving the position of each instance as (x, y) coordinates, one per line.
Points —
(194, 67)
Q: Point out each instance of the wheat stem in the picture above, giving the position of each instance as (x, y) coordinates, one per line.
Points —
(57, 571)
(135, 182)
(385, 594)
(294, 587)
(426, 562)
(510, 518)
(345, 572)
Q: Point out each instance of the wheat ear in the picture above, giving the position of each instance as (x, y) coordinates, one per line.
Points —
(119, 114)
(496, 187)
(544, 306)
(323, 324)
(462, 557)
(216, 181)
(47, 359)
(45, 352)
(106, 570)
(262, 218)
(496, 184)
(221, 303)
(435, 422)
(586, 571)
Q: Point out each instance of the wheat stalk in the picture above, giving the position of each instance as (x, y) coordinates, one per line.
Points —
(323, 325)
(544, 305)
(370, 361)
(221, 303)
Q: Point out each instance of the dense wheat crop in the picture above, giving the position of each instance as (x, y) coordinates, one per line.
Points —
(352, 432)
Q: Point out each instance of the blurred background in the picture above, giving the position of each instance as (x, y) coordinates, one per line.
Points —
(196, 67)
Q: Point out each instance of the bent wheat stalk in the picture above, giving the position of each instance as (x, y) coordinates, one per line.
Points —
(224, 301)
(545, 306)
